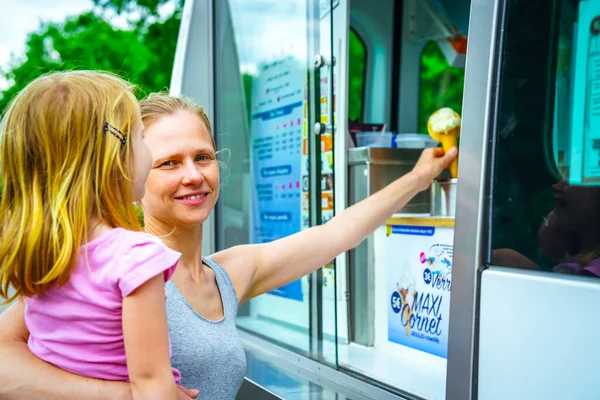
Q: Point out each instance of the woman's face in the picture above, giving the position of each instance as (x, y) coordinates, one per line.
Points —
(183, 185)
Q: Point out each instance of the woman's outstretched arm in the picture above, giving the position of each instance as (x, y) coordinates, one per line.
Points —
(257, 269)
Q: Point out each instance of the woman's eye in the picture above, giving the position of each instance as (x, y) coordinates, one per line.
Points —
(167, 164)
(203, 158)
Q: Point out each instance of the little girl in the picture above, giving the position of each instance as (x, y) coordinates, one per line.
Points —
(73, 161)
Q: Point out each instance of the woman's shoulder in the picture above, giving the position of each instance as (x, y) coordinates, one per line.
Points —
(238, 262)
(231, 261)
(233, 258)
(216, 266)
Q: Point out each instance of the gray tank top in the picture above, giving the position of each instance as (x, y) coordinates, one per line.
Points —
(209, 354)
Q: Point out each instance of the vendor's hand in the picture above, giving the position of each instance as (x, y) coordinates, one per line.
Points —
(431, 163)
(187, 394)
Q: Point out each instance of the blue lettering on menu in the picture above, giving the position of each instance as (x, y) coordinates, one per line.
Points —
(413, 230)
(277, 112)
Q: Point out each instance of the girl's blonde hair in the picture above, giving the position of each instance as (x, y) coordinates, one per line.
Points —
(65, 157)
(158, 105)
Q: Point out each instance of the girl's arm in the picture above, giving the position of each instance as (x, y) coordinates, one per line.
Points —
(147, 342)
(24, 376)
(257, 269)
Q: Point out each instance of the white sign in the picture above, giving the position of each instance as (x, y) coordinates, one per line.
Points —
(419, 276)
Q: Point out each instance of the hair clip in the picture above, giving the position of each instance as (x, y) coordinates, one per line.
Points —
(115, 132)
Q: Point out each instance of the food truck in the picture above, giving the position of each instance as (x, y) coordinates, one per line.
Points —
(317, 104)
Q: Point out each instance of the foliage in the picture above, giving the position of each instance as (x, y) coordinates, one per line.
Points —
(441, 85)
(356, 71)
(143, 52)
(140, 214)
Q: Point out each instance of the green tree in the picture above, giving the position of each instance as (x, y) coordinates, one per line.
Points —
(142, 53)
(356, 71)
(441, 84)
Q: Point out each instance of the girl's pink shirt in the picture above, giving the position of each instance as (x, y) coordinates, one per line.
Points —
(78, 326)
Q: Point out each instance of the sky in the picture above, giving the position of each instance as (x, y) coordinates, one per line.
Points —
(20, 17)
(256, 41)
(25, 16)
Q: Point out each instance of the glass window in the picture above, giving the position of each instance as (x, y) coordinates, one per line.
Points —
(441, 85)
(261, 117)
(357, 58)
(259, 76)
(399, 278)
(547, 161)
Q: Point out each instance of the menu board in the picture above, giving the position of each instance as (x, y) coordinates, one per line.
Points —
(276, 128)
(585, 132)
(419, 279)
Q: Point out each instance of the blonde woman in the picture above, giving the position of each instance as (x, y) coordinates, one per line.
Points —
(205, 292)
(73, 162)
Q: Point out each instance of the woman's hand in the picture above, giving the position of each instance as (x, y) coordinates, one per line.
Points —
(431, 163)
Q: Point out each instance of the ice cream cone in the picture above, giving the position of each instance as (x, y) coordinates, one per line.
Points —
(444, 127)
(405, 286)
(406, 310)
(407, 313)
(448, 142)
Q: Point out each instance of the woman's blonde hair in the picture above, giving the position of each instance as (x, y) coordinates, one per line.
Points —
(65, 157)
(159, 105)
